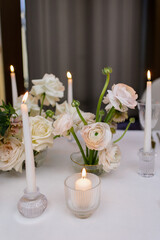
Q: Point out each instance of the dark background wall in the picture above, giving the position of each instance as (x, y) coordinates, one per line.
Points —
(11, 44)
(83, 36)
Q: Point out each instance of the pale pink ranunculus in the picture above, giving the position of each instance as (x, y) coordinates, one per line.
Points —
(12, 154)
(96, 135)
(110, 157)
(77, 122)
(121, 97)
(63, 124)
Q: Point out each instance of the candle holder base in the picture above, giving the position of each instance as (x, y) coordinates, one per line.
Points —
(32, 204)
(146, 163)
(82, 203)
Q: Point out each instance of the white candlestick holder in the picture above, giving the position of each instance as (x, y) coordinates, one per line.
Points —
(146, 163)
(82, 203)
(32, 204)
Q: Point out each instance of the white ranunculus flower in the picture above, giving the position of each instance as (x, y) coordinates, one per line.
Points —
(12, 155)
(63, 124)
(96, 135)
(51, 86)
(32, 104)
(110, 157)
(41, 133)
(121, 97)
(77, 122)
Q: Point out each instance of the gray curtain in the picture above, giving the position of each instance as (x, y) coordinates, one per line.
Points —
(83, 36)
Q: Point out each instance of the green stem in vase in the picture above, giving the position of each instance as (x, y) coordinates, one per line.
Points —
(76, 104)
(86, 151)
(131, 120)
(79, 145)
(110, 115)
(107, 72)
(95, 162)
(91, 154)
(43, 97)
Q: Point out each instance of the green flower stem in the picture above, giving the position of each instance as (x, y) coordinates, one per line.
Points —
(91, 153)
(80, 115)
(95, 158)
(110, 114)
(131, 120)
(79, 145)
(43, 97)
(101, 96)
(86, 151)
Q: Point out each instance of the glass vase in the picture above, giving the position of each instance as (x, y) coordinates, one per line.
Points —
(78, 164)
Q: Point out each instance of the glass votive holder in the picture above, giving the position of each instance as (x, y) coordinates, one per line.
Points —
(32, 204)
(82, 203)
(146, 163)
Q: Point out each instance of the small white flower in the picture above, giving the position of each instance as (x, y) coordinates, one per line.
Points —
(63, 124)
(110, 157)
(121, 97)
(32, 104)
(41, 133)
(96, 135)
(51, 86)
(11, 154)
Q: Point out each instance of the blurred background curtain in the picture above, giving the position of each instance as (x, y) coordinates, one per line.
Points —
(84, 36)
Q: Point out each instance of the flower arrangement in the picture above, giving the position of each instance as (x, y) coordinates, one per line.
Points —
(97, 130)
(46, 91)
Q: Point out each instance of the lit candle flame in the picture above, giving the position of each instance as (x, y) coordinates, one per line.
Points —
(24, 99)
(84, 173)
(149, 75)
(69, 75)
(11, 68)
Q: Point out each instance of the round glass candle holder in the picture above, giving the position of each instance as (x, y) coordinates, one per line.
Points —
(82, 203)
(32, 204)
(146, 163)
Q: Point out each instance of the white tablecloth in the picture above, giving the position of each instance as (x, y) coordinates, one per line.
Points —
(129, 208)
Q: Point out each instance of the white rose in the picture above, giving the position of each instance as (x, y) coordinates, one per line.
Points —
(121, 97)
(11, 155)
(110, 157)
(63, 124)
(51, 86)
(32, 104)
(41, 133)
(77, 122)
(96, 135)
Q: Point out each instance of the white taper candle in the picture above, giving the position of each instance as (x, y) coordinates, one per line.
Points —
(29, 161)
(70, 88)
(148, 109)
(14, 86)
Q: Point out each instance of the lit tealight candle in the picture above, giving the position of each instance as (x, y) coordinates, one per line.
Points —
(83, 197)
(29, 161)
(70, 88)
(148, 109)
(14, 85)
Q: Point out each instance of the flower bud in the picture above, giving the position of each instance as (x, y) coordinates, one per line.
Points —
(107, 70)
(75, 103)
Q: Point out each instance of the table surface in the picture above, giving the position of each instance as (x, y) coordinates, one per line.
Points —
(129, 207)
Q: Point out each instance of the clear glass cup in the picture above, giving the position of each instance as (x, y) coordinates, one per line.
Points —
(155, 113)
(82, 203)
(146, 163)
